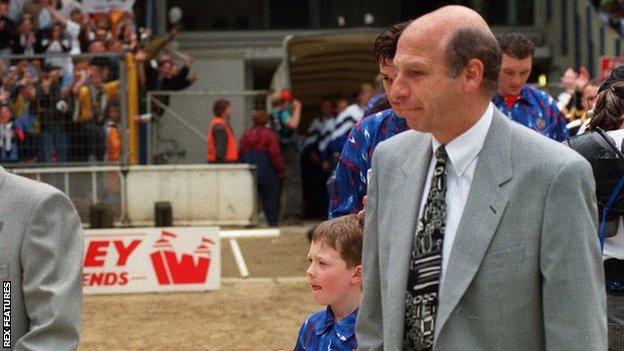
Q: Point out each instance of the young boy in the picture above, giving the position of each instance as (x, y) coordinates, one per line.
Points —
(335, 275)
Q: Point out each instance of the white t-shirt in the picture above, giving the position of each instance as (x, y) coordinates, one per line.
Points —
(73, 30)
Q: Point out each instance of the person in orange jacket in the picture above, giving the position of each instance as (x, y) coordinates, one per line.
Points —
(221, 139)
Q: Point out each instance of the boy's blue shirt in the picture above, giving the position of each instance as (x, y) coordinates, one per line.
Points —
(320, 332)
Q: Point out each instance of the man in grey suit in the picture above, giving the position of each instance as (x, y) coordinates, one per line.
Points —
(480, 234)
(41, 247)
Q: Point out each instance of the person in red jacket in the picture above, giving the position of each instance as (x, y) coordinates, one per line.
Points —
(259, 146)
(221, 139)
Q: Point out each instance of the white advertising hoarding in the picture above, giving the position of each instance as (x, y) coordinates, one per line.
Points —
(139, 260)
(98, 6)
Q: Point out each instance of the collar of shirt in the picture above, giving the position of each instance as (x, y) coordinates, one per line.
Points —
(464, 148)
(525, 96)
(344, 328)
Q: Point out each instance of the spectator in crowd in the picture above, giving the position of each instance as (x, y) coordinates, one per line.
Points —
(36, 9)
(52, 116)
(579, 114)
(93, 95)
(221, 141)
(572, 83)
(285, 118)
(520, 102)
(7, 30)
(57, 44)
(346, 120)
(112, 130)
(42, 100)
(335, 277)
(379, 101)
(601, 150)
(26, 123)
(473, 211)
(42, 257)
(71, 25)
(8, 137)
(127, 35)
(25, 41)
(342, 102)
(351, 179)
(166, 75)
(259, 146)
(314, 169)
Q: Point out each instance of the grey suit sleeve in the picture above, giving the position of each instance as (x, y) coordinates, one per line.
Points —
(573, 288)
(51, 257)
(369, 325)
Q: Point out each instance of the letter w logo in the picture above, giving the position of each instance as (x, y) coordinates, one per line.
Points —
(189, 269)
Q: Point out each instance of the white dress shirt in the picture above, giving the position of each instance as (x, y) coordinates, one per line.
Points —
(463, 153)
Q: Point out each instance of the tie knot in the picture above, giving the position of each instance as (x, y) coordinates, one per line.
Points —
(441, 154)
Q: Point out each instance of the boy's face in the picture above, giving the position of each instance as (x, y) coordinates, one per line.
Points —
(330, 278)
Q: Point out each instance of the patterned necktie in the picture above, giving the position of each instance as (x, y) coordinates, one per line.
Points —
(421, 297)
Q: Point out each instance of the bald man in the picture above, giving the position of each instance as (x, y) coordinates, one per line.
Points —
(469, 244)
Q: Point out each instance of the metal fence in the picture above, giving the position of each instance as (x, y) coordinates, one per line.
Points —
(61, 109)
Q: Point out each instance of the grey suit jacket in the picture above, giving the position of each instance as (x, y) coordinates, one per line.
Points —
(41, 247)
(524, 272)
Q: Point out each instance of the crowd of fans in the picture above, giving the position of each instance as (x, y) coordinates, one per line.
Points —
(61, 92)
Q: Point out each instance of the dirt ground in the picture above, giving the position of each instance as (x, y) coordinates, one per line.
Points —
(263, 312)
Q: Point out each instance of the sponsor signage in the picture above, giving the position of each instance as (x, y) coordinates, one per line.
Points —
(98, 6)
(608, 64)
(151, 260)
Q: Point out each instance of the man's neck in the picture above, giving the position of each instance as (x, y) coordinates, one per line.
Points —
(463, 122)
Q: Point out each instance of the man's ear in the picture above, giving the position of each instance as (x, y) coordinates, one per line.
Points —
(357, 274)
(473, 75)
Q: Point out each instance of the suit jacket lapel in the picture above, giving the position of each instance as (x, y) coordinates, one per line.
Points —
(484, 208)
(406, 196)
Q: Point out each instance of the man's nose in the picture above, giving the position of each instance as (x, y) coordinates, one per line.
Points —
(398, 89)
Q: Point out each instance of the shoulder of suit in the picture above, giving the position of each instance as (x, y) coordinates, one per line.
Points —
(28, 190)
(401, 143)
(529, 145)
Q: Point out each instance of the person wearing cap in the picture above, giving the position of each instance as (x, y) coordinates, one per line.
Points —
(285, 118)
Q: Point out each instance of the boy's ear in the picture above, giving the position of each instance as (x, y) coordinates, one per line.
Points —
(357, 274)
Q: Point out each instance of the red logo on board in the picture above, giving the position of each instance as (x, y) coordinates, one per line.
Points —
(190, 268)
